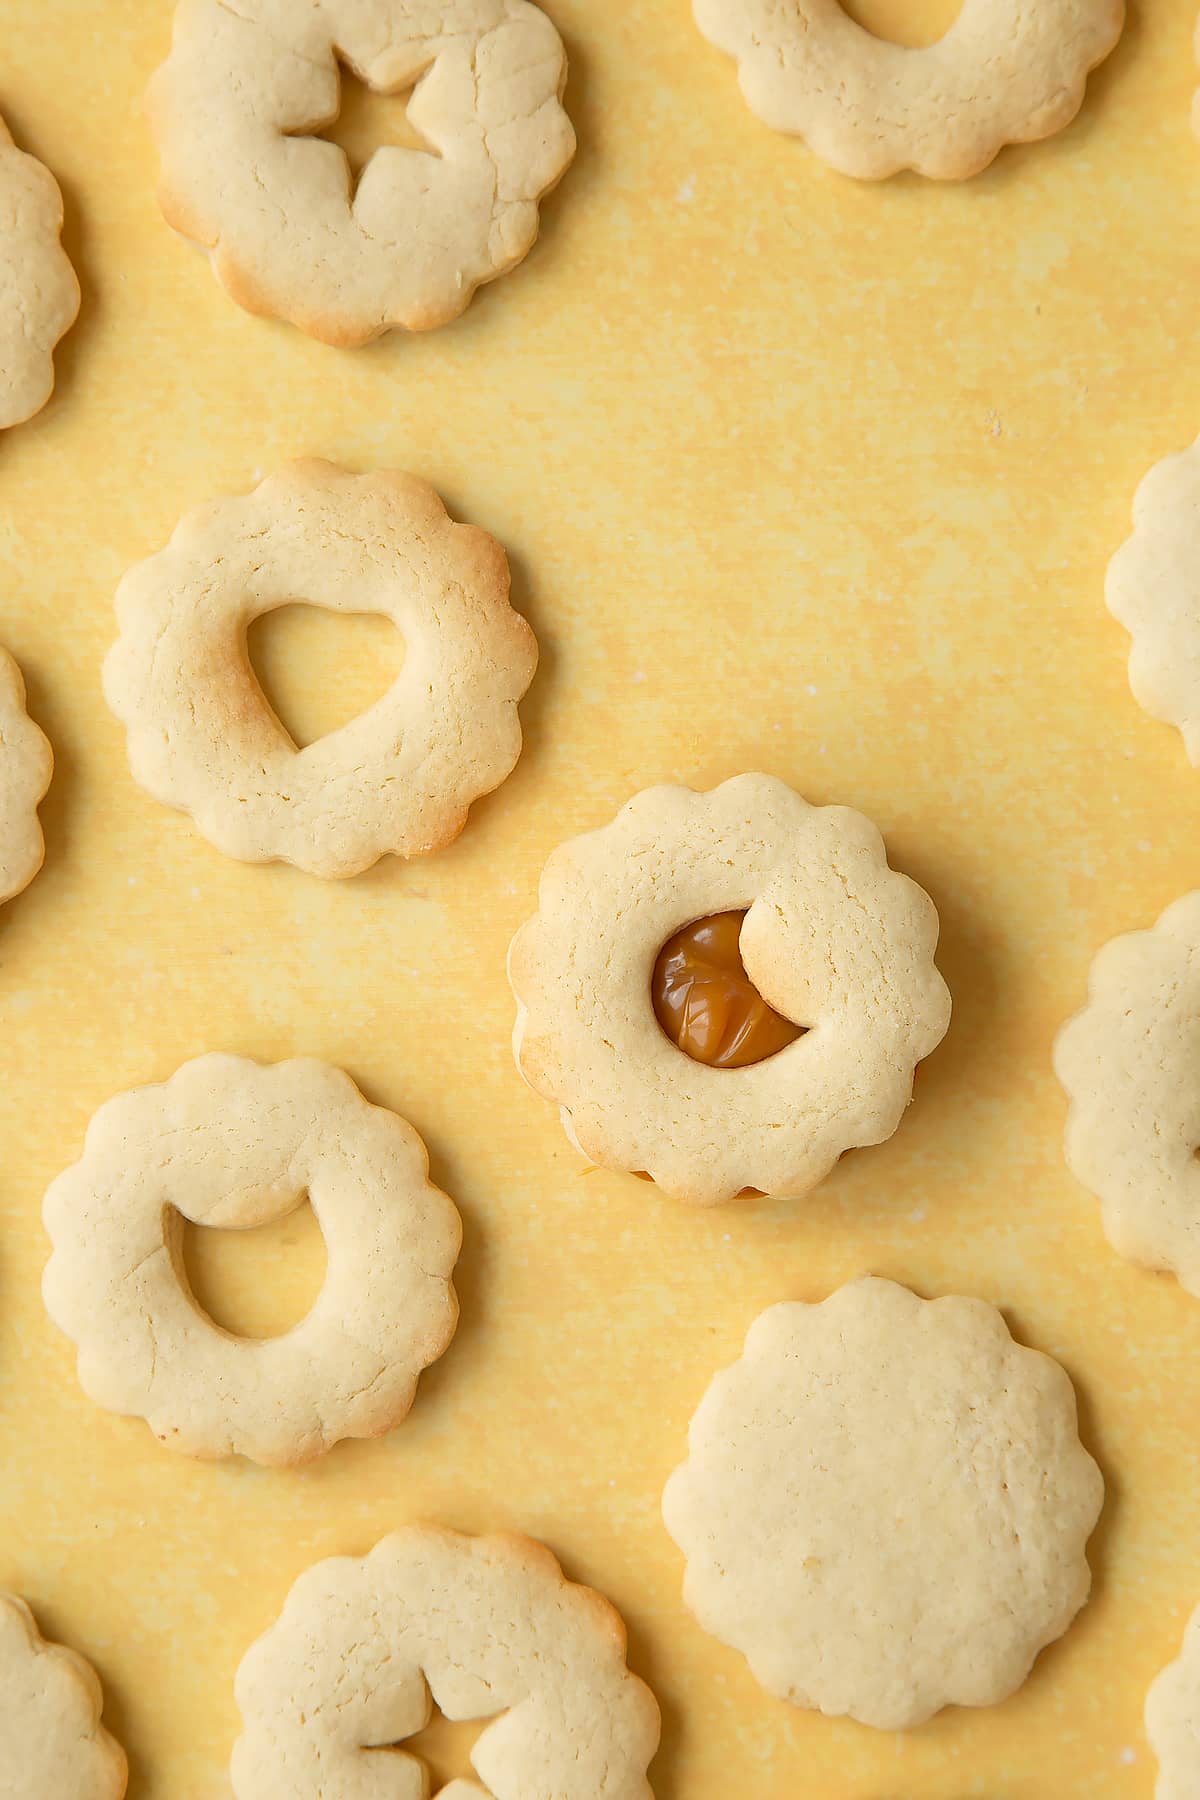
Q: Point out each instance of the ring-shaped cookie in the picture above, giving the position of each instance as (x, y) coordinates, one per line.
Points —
(833, 939)
(1006, 72)
(481, 1626)
(396, 780)
(289, 234)
(1130, 1064)
(52, 1744)
(229, 1143)
(39, 293)
(26, 764)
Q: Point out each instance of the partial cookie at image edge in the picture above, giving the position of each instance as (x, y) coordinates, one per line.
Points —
(53, 1745)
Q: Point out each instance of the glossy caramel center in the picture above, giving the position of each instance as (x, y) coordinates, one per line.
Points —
(707, 1004)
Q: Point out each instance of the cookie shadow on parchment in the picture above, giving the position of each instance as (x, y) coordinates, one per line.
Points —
(73, 346)
(649, 1667)
(471, 1281)
(117, 1715)
(970, 961)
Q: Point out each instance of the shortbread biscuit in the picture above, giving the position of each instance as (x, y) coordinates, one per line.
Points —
(885, 1505)
(288, 232)
(485, 1628)
(1153, 590)
(833, 939)
(1006, 72)
(229, 1143)
(1130, 1063)
(39, 294)
(26, 764)
(1173, 1721)
(52, 1744)
(397, 780)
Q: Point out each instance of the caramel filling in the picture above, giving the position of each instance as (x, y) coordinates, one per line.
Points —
(707, 1004)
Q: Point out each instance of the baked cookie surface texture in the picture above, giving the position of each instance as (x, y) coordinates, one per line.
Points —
(39, 294)
(235, 108)
(1006, 72)
(398, 779)
(26, 764)
(833, 939)
(233, 1144)
(52, 1744)
(885, 1505)
(1173, 1721)
(485, 1628)
(1153, 590)
(1130, 1064)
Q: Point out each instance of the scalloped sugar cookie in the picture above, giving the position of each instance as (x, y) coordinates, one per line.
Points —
(885, 1505)
(39, 293)
(397, 780)
(52, 1744)
(289, 233)
(231, 1143)
(482, 1627)
(1153, 590)
(1130, 1064)
(1173, 1720)
(26, 765)
(833, 939)
(1006, 72)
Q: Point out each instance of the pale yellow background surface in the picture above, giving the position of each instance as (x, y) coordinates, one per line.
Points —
(796, 475)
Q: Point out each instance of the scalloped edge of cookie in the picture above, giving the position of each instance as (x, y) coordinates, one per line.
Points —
(848, 154)
(113, 1770)
(61, 284)
(38, 766)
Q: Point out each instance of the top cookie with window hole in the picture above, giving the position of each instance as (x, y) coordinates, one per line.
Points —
(727, 990)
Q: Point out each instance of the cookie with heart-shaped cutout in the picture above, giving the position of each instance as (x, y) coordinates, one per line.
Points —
(399, 779)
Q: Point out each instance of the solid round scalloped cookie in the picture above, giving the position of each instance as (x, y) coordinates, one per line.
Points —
(885, 1505)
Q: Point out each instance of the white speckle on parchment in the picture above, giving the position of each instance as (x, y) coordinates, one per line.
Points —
(687, 191)
(1128, 1754)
